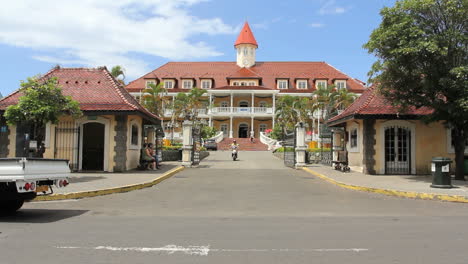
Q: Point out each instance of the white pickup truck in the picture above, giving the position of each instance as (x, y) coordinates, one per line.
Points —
(21, 179)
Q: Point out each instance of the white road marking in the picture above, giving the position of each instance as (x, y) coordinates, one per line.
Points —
(204, 250)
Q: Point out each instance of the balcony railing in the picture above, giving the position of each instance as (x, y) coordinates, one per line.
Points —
(201, 112)
(241, 110)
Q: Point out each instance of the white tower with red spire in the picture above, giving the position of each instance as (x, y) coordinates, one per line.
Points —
(246, 47)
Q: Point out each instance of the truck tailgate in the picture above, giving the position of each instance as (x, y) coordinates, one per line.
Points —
(27, 169)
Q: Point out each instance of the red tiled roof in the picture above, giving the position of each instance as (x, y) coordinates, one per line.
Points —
(246, 36)
(269, 72)
(94, 88)
(244, 73)
(242, 88)
(372, 103)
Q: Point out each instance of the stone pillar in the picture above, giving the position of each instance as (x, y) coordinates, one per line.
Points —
(4, 138)
(120, 149)
(252, 130)
(368, 138)
(300, 145)
(187, 147)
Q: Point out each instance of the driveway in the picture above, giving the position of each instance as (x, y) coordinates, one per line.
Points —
(253, 210)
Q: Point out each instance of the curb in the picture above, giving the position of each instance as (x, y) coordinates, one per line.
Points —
(389, 192)
(122, 189)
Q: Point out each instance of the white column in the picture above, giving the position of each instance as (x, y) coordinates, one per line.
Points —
(253, 104)
(210, 122)
(230, 129)
(300, 145)
(187, 147)
(274, 110)
(252, 125)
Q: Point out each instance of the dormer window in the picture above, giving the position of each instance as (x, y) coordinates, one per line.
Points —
(206, 84)
(235, 83)
(187, 84)
(282, 84)
(340, 84)
(252, 84)
(301, 84)
(169, 84)
(321, 84)
(149, 82)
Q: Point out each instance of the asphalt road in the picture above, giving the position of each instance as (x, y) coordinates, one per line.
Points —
(250, 211)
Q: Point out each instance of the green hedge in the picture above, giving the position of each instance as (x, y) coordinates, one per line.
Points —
(314, 150)
(171, 147)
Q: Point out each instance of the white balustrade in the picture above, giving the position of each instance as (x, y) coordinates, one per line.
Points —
(219, 137)
(241, 110)
(271, 143)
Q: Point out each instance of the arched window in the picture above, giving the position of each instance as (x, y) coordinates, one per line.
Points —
(262, 104)
(243, 84)
(224, 104)
(243, 104)
(245, 51)
(262, 127)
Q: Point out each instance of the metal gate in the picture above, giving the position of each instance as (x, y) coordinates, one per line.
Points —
(397, 150)
(67, 143)
(289, 146)
(196, 141)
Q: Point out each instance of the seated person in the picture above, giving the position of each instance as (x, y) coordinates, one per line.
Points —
(147, 155)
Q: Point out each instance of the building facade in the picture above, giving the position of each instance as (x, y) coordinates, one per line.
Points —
(381, 139)
(108, 137)
(241, 95)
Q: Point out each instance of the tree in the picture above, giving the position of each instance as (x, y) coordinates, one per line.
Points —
(342, 98)
(118, 72)
(421, 46)
(153, 98)
(187, 104)
(42, 102)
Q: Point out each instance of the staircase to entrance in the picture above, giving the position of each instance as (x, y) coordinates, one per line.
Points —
(244, 144)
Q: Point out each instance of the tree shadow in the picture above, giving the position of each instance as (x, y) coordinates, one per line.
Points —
(40, 215)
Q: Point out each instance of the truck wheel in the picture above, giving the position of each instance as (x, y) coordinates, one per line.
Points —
(8, 207)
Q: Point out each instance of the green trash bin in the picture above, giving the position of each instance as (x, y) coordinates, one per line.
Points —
(440, 168)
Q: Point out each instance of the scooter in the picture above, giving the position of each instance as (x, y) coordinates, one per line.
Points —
(234, 154)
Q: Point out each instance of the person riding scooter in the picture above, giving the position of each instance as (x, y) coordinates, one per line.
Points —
(235, 149)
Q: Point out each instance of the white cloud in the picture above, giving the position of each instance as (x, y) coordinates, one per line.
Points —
(317, 25)
(330, 7)
(108, 32)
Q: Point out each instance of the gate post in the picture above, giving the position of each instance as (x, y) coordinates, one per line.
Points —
(300, 145)
(187, 147)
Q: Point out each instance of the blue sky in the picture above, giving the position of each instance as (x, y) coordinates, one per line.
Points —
(141, 35)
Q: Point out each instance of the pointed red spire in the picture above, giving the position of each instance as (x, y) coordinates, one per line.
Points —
(246, 36)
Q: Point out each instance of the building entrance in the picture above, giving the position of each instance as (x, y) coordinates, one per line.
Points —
(243, 131)
(93, 146)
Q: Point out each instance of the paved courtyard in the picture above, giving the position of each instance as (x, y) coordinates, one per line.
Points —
(253, 210)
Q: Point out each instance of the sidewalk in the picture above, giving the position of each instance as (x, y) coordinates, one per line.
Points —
(411, 186)
(100, 183)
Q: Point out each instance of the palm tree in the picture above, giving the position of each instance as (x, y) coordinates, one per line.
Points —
(342, 99)
(187, 104)
(153, 98)
(291, 110)
(323, 99)
(117, 72)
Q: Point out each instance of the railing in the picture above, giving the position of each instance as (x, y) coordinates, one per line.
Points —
(241, 110)
(201, 111)
(313, 137)
(175, 135)
(271, 143)
(219, 137)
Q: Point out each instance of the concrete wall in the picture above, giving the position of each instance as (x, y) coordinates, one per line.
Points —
(133, 152)
(429, 140)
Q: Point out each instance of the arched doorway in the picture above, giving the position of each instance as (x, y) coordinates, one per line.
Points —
(243, 130)
(397, 150)
(93, 146)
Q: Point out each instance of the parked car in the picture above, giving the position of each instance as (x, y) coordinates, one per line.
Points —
(211, 144)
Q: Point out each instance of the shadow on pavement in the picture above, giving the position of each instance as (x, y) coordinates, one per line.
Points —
(85, 179)
(40, 215)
